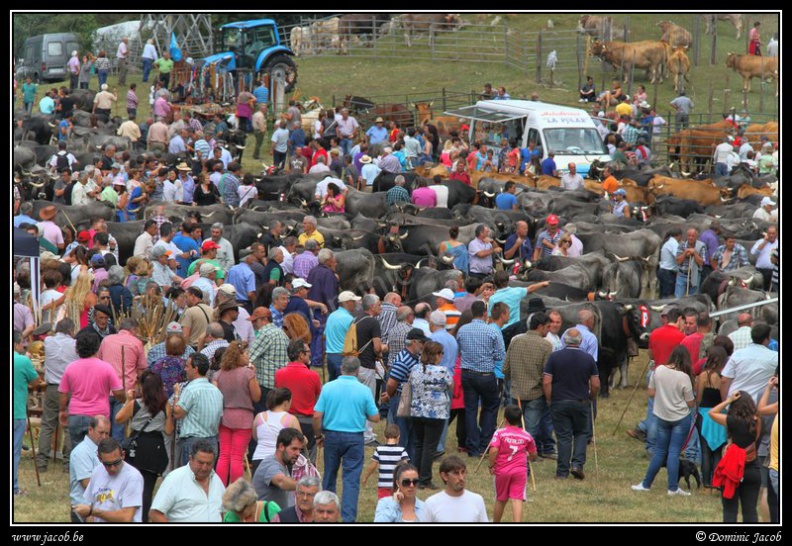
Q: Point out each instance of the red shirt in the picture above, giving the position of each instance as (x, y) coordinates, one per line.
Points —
(693, 344)
(304, 384)
(462, 177)
(320, 152)
(663, 341)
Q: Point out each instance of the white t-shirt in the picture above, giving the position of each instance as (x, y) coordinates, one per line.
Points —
(288, 261)
(110, 493)
(442, 195)
(321, 187)
(48, 296)
(722, 152)
(443, 508)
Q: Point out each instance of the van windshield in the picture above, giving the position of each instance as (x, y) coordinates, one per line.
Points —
(492, 133)
(574, 141)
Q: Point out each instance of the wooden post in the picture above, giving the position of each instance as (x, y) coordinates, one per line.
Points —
(696, 38)
(654, 98)
(445, 107)
(539, 58)
(505, 42)
(431, 41)
(710, 96)
(713, 48)
(577, 58)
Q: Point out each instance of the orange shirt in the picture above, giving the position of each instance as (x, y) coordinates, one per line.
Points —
(610, 184)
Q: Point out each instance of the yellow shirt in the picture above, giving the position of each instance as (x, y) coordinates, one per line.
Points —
(316, 236)
(774, 445)
(623, 109)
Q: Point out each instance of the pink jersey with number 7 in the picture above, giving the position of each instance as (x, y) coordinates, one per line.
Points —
(513, 443)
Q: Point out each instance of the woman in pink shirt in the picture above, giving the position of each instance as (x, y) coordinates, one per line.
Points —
(423, 196)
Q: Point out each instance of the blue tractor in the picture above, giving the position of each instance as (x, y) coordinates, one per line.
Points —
(255, 47)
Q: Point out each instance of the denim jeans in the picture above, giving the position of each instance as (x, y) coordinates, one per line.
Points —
(570, 420)
(682, 286)
(671, 436)
(405, 424)
(334, 365)
(102, 76)
(667, 281)
(78, 428)
(187, 444)
(346, 145)
(482, 388)
(427, 435)
(19, 434)
(147, 68)
(344, 448)
(539, 424)
(721, 169)
(116, 430)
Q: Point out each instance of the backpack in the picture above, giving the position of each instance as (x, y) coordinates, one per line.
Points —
(62, 162)
(351, 340)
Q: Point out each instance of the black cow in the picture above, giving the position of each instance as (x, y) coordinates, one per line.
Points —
(355, 269)
(371, 205)
(416, 284)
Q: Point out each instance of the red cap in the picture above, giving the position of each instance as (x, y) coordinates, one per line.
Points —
(83, 237)
(552, 220)
(209, 245)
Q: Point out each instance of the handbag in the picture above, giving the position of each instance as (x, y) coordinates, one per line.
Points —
(405, 402)
(129, 445)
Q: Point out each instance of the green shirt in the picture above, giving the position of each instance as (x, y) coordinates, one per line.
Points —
(220, 273)
(268, 511)
(24, 373)
(29, 91)
(165, 65)
(110, 195)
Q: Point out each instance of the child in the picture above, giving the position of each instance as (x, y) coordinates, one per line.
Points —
(386, 457)
(507, 462)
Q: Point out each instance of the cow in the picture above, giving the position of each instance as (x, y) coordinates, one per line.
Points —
(430, 23)
(416, 284)
(622, 279)
(575, 275)
(675, 35)
(355, 269)
(752, 66)
(324, 35)
(736, 19)
(703, 192)
(716, 282)
(678, 66)
(597, 25)
(755, 131)
(75, 215)
(368, 204)
(648, 54)
(352, 24)
(392, 112)
(693, 147)
(444, 124)
(670, 205)
(301, 40)
(212, 213)
(594, 262)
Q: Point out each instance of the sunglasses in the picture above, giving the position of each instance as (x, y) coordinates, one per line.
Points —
(406, 482)
(113, 463)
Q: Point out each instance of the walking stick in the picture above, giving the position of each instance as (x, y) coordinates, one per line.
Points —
(33, 447)
(530, 466)
(123, 384)
(594, 436)
(486, 451)
(646, 368)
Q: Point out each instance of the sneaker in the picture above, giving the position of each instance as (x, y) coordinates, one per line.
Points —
(20, 492)
(551, 455)
(581, 100)
(437, 455)
(679, 491)
(640, 487)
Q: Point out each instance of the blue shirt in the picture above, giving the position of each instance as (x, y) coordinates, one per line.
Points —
(450, 348)
(505, 201)
(345, 403)
(545, 235)
(377, 134)
(22, 219)
(242, 278)
(262, 95)
(480, 346)
(498, 363)
(548, 166)
(185, 244)
(402, 366)
(588, 344)
(525, 157)
(524, 252)
(82, 462)
(511, 296)
(335, 330)
(389, 511)
(297, 138)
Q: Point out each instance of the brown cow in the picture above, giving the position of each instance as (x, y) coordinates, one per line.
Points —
(595, 25)
(703, 192)
(679, 66)
(675, 34)
(694, 147)
(358, 24)
(747, 190)
(444, 124)
(431, 172)
(430, 23)
(635, 193)
(752, 66)
(755, 131)
(648, 54)
(735, 19)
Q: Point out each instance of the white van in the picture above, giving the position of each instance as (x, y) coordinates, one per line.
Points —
(570, 133)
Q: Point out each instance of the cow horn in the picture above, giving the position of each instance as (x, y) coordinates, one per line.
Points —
(238, 147)
(660, 187)
(447, 260)
(412, 105)
(418, 265)
(657, 308)
(724, 200)
(488, 194)
(255, 207)
(389, 266)
(382, 225)
(628, 307)
(403, 237)
(506, 262)
(527, 264)
(209, 215)
(620, 259)
(612, 293)
(501, 241)
(358, 238)
(304, 202)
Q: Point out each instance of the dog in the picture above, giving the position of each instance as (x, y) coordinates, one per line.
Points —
(688, 469)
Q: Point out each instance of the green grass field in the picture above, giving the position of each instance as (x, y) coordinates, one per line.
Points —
(604, 496)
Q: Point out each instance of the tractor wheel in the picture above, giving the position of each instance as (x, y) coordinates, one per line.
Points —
(283, 67)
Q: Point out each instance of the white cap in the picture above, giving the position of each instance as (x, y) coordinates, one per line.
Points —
(438, 318)
(445, 293)
(300, 283)
(228, 289)
(346, 295)
(767, 201)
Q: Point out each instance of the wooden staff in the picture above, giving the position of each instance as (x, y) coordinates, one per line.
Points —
(530, 466)
(33, 447)
(486, 450)
(646, 368)
(123, 385)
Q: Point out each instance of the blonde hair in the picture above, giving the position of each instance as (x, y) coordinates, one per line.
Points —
(231, 356)
(296, 327)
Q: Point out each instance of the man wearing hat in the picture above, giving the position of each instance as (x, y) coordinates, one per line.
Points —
(338, 322)
(765, 211)
(227, 313)
(620, 208)
(99, 322)
(548, 238)
(297, 302)
(48, 229)
(161, 272)
(444, 302)
(187, 183)
(260, 317)
(208, 255)
(368, 172)
(399, 374)
(103, 101)
(377, 133)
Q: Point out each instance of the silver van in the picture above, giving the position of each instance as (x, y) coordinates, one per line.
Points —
(44, 57)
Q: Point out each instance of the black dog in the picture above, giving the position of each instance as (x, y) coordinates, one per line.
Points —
(688, 469)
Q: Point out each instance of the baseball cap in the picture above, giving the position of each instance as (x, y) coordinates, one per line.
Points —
(97, 259)
(417, 334)
(83, 237)
(158, 251)
(228, 289)
(300, 283)
(209, 245)
(173, 328)
(445, 293)
(620, 191)
(438, 318)
(767, 201)
(260, 312)
(346, 295)
(552, 220)
(207, 268)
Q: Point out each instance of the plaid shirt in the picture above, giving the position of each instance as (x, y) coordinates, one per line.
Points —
(203, 403)
(397, 338)
(738, 259)
(268, 354)
(397, 194)
(525, 362)
(277, 317)
(158, 351)
(304, 263)
(700, 248)
(480, 346)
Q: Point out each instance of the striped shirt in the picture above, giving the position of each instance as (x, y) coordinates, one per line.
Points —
(402, 366)
(268, 354)
(452, 315)
(131, 100)
(480, 346)
(387, 320)
(388, 456)
(203, 403)
(202, 146)
(701, 250)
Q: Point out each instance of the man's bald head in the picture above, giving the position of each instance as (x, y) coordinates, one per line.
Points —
(744, 319)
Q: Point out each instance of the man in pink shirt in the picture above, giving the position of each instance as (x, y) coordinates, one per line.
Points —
(508, 463)
(50, 230)
(161, 108)
(424, 196)
(88, 380)
(125, 353)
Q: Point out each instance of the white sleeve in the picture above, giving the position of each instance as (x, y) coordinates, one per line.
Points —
(164, 498)
(729, 370)
(482, 517)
